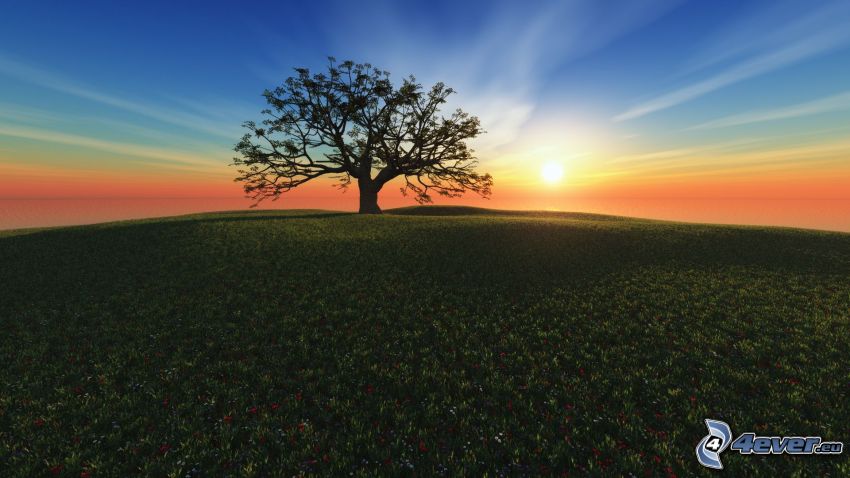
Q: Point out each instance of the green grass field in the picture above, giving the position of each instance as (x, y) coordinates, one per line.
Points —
(427, 341)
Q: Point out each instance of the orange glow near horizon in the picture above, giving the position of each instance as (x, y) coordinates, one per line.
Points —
(814, 200)
(743, 187)
(38, 182)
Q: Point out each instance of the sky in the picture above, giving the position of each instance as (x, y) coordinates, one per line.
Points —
(584, 100)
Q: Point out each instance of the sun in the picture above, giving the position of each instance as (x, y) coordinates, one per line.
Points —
(552, 172)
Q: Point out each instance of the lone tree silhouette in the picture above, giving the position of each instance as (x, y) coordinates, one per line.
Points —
(351, 122)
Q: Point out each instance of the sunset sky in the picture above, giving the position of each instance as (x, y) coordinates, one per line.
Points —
(582, 100)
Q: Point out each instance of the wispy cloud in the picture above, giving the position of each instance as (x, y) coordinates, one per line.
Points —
(25, 114)
(824, 157)
(823, 105)
(55, 81)
(665, 156)
(38, 119)
(500, 74)
(822, 31)
(756, 30)
(720, 160)
(166, 157)
(497, 66)
(742, 71)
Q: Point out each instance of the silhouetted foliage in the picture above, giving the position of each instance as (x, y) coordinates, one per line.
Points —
(352, 122)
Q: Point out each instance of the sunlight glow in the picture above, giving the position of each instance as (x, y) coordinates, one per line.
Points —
(552, 172)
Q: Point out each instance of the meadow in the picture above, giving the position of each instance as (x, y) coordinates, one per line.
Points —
(423, 342)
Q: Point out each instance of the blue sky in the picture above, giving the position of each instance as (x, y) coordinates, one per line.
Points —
(164, 86)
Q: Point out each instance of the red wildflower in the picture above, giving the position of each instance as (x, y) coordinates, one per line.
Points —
(370, 389)
(670, 473)
(165, 402)
(298, 396)
(38, 422)
(301, 427)
(275, 406)
(252, 410)
(693, 399)
(56, 470)
(422, 446)
(510, 405)
(326, 458)
(163, 449)
(581, 371)
(794, 381)
(85, 474)
(228, 419)
(657, 459)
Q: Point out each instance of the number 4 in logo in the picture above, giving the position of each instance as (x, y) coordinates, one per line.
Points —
(713, 444)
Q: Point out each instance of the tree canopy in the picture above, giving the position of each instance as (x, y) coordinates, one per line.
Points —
(352, 122)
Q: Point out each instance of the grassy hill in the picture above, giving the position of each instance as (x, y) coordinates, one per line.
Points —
(425, 341)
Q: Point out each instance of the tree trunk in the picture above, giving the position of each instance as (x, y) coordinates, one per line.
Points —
(368, 197)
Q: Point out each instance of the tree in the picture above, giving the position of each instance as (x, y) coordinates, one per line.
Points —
(351, 122)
